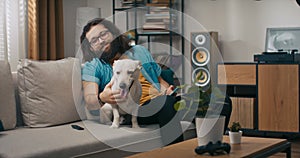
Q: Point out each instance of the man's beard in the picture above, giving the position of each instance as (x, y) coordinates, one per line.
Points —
(112, 50)
(107, 56)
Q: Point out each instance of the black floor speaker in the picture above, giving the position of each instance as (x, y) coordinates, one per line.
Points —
(204, 49)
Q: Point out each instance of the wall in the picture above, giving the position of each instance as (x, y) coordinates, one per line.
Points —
(242, 23)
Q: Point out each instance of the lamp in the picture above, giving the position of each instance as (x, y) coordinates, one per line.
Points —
(83, 15)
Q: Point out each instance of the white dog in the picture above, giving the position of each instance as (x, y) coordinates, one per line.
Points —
(126, 79)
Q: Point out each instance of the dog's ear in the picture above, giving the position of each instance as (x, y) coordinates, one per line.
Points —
(114, 63)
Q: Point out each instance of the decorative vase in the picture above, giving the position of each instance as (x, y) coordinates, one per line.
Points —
(210, 129)
(235, 137)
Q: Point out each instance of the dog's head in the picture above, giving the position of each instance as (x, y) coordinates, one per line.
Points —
(125, 72)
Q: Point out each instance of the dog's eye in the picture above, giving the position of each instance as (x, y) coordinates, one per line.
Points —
(118, 72)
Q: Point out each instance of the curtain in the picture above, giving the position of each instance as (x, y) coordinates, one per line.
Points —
(13, 43)
(45, 29)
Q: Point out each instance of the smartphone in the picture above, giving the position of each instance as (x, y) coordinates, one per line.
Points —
(174, 91)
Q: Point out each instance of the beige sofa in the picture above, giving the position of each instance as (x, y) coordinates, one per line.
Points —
(40, 103)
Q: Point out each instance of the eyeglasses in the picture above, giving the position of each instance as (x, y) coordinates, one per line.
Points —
(102, 35)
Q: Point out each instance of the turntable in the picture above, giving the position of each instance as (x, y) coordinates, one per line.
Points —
(277, 57)
(282, 46)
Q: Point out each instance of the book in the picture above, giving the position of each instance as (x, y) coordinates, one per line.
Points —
(157, 31)
(159, 16)
(162, 1)
(155, 26)
(157, 4)
(131, 3)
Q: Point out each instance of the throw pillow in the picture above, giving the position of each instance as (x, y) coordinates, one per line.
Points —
(7, 97)
(50, 92)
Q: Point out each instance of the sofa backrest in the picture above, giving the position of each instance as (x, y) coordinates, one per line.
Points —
(46, 93)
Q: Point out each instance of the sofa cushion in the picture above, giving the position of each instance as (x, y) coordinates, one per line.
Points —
(50, 92)
(56, 141)
(64, 141)
(7, 97)
(95, 140)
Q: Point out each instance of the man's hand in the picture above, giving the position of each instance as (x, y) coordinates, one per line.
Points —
(170, 90)
(110, 96)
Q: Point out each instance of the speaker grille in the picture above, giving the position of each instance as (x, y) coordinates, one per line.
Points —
(200, 56)
(201, 77)
(200, 39)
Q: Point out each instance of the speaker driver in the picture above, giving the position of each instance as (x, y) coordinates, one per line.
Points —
(201, 77)
(200, 39)
(200, 56)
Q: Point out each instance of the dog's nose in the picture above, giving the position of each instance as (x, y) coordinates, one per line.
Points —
(122, 85)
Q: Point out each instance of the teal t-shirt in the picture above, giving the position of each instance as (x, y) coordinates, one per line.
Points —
(97, 71)
(101, 72)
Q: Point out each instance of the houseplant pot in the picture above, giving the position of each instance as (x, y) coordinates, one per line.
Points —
(235, 133)
(207, 106)
(235, 137)
(209, 129)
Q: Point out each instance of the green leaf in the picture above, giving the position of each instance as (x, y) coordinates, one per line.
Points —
(235, 127)
(180, 105)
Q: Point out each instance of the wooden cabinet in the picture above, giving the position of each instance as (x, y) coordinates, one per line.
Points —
(242, 111)
(237, 74)
(236, 77)
(278, 97)
(275, 105)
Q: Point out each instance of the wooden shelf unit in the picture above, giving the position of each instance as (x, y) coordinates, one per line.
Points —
(269, 91)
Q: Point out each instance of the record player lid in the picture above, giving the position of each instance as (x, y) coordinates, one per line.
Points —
(285, 39)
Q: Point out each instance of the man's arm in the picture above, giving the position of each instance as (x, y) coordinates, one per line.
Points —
(164, 86)
(90, 93)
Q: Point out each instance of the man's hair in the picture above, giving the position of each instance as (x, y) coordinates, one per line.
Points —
(107, 24)
(88, 55)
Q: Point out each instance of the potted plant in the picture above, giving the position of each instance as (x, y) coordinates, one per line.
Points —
(205, 105)
(235, 133)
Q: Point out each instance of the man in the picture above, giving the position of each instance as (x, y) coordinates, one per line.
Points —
(101, 45)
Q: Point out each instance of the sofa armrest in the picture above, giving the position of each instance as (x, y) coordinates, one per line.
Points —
(17, 97)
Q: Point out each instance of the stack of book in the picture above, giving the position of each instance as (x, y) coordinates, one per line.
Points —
(159, 18)
(162, 1)
(131, 3)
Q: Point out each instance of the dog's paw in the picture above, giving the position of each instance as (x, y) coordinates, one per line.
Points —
(114, 126)
(135, 126)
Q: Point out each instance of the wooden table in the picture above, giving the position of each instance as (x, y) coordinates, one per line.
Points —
(250, 147)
